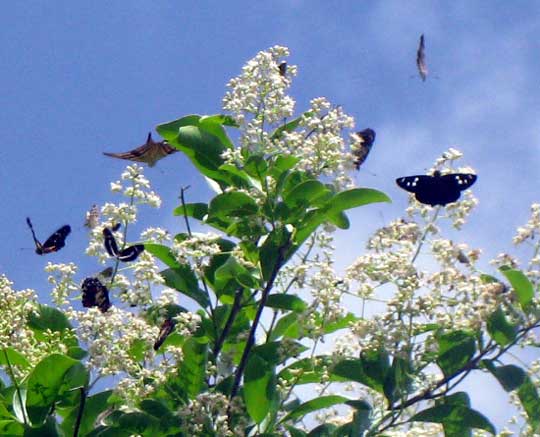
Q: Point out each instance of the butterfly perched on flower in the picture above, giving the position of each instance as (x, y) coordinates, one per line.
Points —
(52, 244)
(95, 294)
(421, 59)
(167, 327)
(150, 152)
(129, 253)
(437, 189)
(361, 151)
(92, 217)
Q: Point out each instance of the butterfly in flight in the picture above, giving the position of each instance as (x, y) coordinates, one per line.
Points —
(150, 152)
(282, 69)
(367, 137)
(95, 294)
(92, 217)
(130, 253)
(437, 189)
(167, 327)
(52, 244)
(421, 59)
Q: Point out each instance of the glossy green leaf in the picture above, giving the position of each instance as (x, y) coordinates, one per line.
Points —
(289, 302)
(339, 219)
(306, 194)
(11, 428)
(169, 131)
(256, 166)
(528, 396)
(314, 405)
(457, 416)
(192, 372)
(93, 407)
(500, 329)
(455, 350)
(287, 326)
(290, 126)
(510, 376)
(47, 429)
(44, 384)
(195, 210)
(184, 280)
(354, 198)
(259, 387)
(163, 253)
(272, 252)
(48, 318)
(276, 352)
(398, 381)
(233, 270)
(324, 430)
(521, 285)
(306, 370)
(10, 356)
(232, 204)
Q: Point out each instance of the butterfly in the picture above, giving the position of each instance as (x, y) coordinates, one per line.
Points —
(95, 294)
(164, 331)
(282, 69)
(92, 217)
(130, 253)
(52, 244)
(421, 59)
(150, 152)
(367, 137)
(437, 189)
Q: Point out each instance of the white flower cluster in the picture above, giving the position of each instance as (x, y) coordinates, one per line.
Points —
(61, 277)
(187, 323)
(196, 250)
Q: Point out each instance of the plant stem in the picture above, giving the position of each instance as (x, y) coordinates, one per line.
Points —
(82, 402)
(17, 389)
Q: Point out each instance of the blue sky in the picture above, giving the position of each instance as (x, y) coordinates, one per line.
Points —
(80, 79)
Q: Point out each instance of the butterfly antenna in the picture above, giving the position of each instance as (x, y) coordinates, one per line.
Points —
(32, 229)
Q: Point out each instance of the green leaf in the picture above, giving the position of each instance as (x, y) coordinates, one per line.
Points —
(510, 376)
(184, 280)
(93, 407)
(457, 416)
(195, 210)
(455, 350)
(339, 219)
(521, 285)
(48, 429)
(287, 327)
(306, 194)
(259, 387)
(325, 430)
(286, 302)
(163, 253)
(256, 166)
(398, 382)
(192, 372)
(500, 329)
(342, 323)
(306, 370)
(169, 130)
(290, 126)
(354, 198)
(44, 384)
(14, 358)
(528, 395)
(232, 204)
(139, 423)
(277, 352)
(232, 270)
(272, 252)
(48, 318)
(11, 428)
(314, 405)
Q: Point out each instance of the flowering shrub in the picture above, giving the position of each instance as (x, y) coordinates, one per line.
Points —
(270, 346)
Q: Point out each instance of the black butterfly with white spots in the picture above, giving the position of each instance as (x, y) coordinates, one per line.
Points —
(367, 136)
(95, 294)
(130, 253)
(437, 189)
(52, 244)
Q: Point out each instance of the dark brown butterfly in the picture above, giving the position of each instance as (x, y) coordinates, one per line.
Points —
(150, 152)
(361, 153)
(130, 253)
(421, 59)
(167, 327)
(52, 244)
(95, 294)
(437, 189)
(282, 69)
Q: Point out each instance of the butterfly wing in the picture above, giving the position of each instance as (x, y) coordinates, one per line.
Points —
(421, 59)
(110, 242)
(92, 217)
(361, 153)
(149, 153)
(95, 294)
(166, 328)
(55, 242)
(451, 185)
(282, 69)
(424, 188)
(130, 253)
(437, 190)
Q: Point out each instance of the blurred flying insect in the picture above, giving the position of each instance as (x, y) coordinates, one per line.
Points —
(437, 189)
(361, 151)
(92, 217)
(167, 327)
(52, 244)
(95, 294)
(421, 59)
(149, 153)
